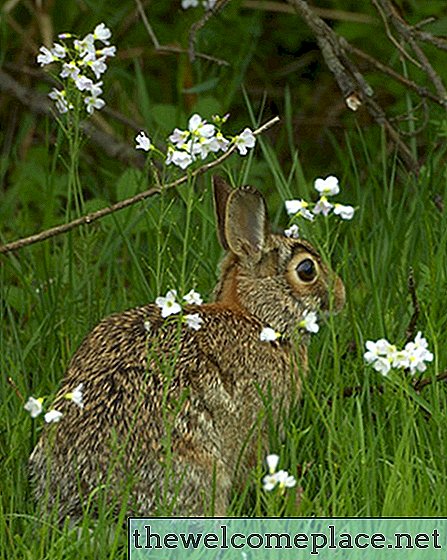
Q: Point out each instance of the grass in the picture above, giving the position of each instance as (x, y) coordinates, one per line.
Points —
(378, 452)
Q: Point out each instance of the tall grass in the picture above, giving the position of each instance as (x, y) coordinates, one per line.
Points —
(378, 449)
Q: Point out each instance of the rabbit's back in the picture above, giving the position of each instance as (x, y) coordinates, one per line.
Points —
(152, 388)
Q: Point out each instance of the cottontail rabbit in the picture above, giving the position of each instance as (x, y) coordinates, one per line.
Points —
(178, 409)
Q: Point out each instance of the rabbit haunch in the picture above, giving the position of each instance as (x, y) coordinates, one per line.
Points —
(202, 394)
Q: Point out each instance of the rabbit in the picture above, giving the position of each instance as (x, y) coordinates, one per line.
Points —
(176, 414)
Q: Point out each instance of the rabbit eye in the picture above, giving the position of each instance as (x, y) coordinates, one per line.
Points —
(306, 270)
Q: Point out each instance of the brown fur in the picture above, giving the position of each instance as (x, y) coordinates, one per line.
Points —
(198, 394)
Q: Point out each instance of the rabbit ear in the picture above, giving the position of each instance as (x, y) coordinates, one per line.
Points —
(222, 191)
(241, 218)
(246, 222)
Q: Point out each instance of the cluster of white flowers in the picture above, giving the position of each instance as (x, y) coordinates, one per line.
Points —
(300, 208)
(170, 306)
(207, 4)
(81, 61)
(281, 479)
(308, 323)
(35, 406)
(198, 141)
(384, 356)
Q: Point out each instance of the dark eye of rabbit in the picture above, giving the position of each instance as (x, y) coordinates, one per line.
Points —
(306, 270)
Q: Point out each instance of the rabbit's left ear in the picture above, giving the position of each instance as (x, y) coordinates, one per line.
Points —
(222, 191)
(246, 222)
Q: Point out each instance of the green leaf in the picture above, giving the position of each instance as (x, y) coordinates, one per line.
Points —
(204, 86)
(166, 116)
(207, 107)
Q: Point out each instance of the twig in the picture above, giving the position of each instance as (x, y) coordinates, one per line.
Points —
(421, 383)
(14, 386)
(324, 13)
(385, 12)
(94, 216)
(197, 26)
(171, 49)
(420, 90)
(406, 32)
(410, 332)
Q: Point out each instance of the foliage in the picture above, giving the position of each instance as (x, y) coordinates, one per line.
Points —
(378, 450)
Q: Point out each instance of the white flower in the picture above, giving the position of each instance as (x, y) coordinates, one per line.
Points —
(97, 65)
(194, 321)
(281, 478)
(298, 207)
(147, 326)
(199, 127)
(193, 298)
(221, 141)
(33, 406)
(328, 186)
(309, 322)
(213, 144)
(382, 355)
(59, 51)
(86, 46)
(292, 231)
(285, 480)
(272, 461)
(245, 140)
(179, 158)
(82, 82)
(417, 354)
(189, 4)
(70, 69)
(323, 206)
(199, 147)
(53, 416)
(60, 98)
(179, 137)
(269, 335)
(102, 33)
(380, 348)
(92, 102)
(107, 51)
(143, 142)
(95, 89)
(45, 57)
(345, 212)
(76, 396)
(168, 304)
(382, 365)
(269, 482)
(400, 359)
